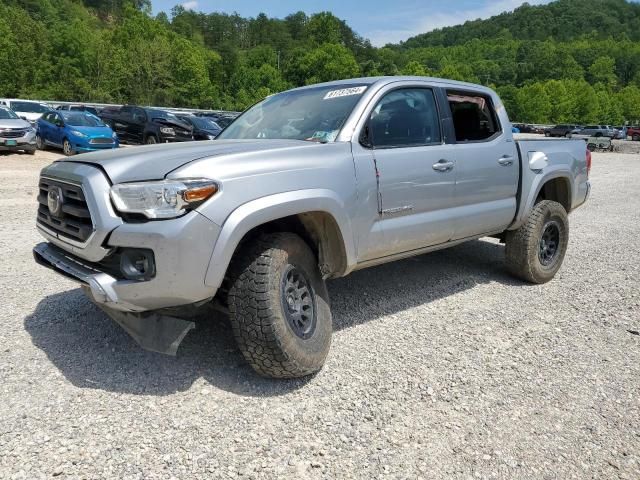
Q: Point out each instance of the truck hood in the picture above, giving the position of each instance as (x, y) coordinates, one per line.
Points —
(154, 162)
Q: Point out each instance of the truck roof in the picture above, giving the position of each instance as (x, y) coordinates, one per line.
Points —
(390, 79)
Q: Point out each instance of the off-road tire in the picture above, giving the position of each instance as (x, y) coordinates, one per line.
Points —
(257, 302)
(524, 245)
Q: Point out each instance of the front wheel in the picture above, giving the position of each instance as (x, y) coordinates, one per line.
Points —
(151, 139)
(279, 307)
(635, 138)
(67, 148)
(40, 145)
(536, 250)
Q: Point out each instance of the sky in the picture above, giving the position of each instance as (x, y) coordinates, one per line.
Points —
(381, 21)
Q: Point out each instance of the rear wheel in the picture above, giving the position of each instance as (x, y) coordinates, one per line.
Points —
(536, 250)
(67, 148)
(567, 135)
(635, 138)
(279, 307)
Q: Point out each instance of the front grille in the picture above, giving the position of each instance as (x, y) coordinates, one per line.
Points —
(101, 141)
(13, 132)
(74, 220)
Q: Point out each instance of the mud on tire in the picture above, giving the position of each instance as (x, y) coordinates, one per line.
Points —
(279, 306)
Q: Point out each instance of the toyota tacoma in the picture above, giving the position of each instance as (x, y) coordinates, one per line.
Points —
(308, 185)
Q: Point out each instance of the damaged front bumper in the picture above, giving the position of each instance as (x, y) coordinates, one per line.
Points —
(152, 330)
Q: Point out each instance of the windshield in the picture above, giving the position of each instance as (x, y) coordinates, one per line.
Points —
(7, 114)
(79, 119)
(314, 114)
(204, 123)
(153, 113)
(30, 107)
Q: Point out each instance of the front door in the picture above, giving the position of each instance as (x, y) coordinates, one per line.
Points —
(416, 171)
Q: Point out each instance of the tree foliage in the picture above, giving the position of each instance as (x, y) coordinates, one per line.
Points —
(567, 61)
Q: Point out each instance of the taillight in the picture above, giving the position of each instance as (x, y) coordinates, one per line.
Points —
(588, 162)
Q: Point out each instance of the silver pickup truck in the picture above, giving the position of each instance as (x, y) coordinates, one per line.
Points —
(307, 185)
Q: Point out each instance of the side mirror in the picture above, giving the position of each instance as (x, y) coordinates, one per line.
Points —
(365, 137)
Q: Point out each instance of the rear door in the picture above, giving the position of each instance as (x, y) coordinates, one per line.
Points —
(414, 170)
(137, 125)
(122, 121)
(487, 165)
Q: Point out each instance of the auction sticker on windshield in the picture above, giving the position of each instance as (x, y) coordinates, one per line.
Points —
(344, 92)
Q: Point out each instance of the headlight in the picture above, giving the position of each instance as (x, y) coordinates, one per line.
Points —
(168, 130)
(114, 135)
(78, 134)
(162, 199)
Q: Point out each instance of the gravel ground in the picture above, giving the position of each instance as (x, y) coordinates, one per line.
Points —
(442, 366)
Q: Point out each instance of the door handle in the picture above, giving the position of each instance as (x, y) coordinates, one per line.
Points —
(443, 166)
(505, 161)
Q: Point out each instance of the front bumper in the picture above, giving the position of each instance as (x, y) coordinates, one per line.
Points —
(28, 142)
(182, 248)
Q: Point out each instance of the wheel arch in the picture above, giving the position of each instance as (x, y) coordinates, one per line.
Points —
(557, 189)
(556, 186)
(318, 216)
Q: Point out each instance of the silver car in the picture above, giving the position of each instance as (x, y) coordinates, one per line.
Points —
(16, 134)
(598, 131)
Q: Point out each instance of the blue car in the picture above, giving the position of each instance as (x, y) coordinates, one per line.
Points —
(74, 132)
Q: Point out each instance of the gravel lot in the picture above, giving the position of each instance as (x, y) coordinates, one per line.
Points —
(442, 366)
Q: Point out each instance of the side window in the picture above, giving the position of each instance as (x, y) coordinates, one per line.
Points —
(139, 116)
(57, 120)
(126, 112)
(474, 117)
(405, 118)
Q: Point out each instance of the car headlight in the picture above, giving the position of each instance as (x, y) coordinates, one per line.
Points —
(114, 135)
(168, 130)
(78, 134)
(162, 199)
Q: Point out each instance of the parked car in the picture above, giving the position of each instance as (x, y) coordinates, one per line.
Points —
(563, 130)
(222, 119)
(597, 131)
(74, 132)
(16, 134)
(515, 129)
(634, 133)
(204, 128)
(146, 125)
(25, 109)
(524, 128)
(621, 132)
(307, 185)
(79, 108)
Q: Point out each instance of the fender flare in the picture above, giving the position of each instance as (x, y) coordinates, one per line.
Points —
(538, 183)
(273, 207)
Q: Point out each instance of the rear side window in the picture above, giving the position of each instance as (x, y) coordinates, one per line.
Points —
(474, 117)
